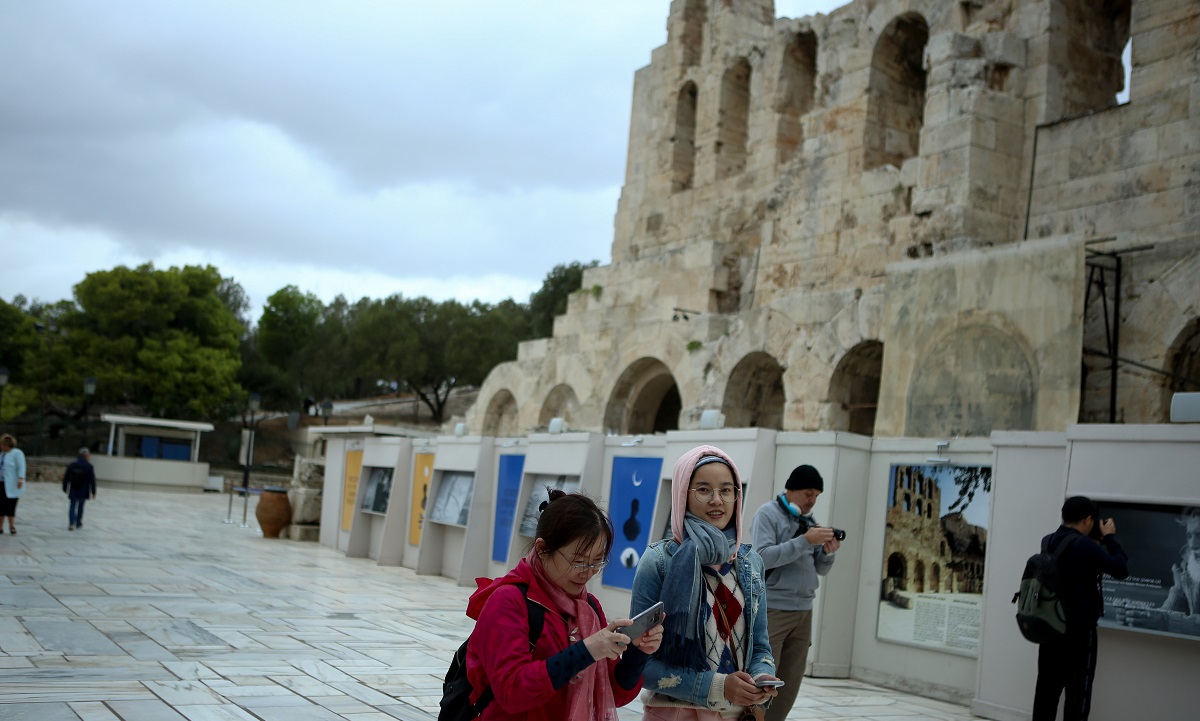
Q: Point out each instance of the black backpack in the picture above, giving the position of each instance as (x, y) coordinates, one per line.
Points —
(456, 689)
(1039, 601)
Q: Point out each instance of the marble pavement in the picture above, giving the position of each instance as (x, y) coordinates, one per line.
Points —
(156, 610)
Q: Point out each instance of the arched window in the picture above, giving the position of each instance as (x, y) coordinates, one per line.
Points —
(896, 93)
(797, 88)
(733, 121)
(683, 152)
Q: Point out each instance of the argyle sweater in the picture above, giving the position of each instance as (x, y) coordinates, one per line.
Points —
(725, 630)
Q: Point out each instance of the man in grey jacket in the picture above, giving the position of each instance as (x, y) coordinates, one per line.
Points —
(796, 552)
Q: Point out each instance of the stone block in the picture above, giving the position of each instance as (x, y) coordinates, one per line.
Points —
(944, 48)
(1003, 48)
(928, 200)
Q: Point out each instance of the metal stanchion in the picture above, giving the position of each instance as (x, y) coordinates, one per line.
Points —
(229, 513)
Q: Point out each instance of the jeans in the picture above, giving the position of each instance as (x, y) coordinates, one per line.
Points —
(76, 511)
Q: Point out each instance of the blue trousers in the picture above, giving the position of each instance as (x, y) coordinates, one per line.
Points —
(76, 511)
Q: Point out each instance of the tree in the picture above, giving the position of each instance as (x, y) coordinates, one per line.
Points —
(288, 322)
(968, 480)
(551, 299)
(161, 339)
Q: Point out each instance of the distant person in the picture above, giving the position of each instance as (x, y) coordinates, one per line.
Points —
(79, 483)
(796, 551)
(581, 667)
(12, 468)
(1069, 663)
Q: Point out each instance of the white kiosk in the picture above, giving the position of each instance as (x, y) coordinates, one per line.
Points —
(454, 539)
(377, 521)
(843, 460)
(567, 461)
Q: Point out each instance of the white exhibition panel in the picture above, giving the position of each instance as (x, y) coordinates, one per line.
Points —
(459, 551)
(930, 672)
(1028, 488)
(616, 601)
(843, 460)
(370, 530)
(574, 455)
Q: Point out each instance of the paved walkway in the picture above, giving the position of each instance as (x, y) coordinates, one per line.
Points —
(156, 610)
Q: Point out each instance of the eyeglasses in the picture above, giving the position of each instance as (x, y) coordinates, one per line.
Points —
(583, 566)
(704, 494)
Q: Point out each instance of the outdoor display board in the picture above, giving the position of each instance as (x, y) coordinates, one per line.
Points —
(1162, 593)
(453, 503)
(934, 548)
(354, 461)
(422, 475)
(508, 489)
(542, 484)
(377, 491)
(635, 483)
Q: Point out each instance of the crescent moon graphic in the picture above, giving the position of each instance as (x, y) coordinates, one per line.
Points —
(637, 482)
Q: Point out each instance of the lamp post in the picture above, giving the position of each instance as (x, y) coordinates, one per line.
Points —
(326, 410)
(3, 383)
(254, 403)
(89, 390)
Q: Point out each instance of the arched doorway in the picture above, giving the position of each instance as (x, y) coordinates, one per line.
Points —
(754, 396)
(896, 93)
(501, 417)
(854, 389)
(644, 399)
(560, 402)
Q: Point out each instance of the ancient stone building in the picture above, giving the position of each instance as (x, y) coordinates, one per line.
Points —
(905, 218)
(918, 558)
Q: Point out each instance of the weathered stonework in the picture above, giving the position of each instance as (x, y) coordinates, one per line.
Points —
(886, 220)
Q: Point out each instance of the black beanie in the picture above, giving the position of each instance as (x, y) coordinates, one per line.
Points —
(805, 477)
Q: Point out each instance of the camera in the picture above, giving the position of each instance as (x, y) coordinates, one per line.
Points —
(839, 534)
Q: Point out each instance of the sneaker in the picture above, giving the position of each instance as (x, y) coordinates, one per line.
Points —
(70, 528)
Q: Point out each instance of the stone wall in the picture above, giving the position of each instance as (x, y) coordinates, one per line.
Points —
(824, 221)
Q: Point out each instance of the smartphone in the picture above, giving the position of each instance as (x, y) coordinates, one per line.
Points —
(644, 621)
(768, 683)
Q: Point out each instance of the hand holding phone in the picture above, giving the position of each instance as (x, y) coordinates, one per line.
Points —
(768, 683)
(644, 621)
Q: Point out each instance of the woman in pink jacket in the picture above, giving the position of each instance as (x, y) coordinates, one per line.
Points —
(580, 668)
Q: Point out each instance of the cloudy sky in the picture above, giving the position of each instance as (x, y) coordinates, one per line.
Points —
(448, 149)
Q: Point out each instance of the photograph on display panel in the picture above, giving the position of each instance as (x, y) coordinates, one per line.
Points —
(934, 547)
(453, 502)
(1162, 593)
(542, 484)
(631, 506)
(378, 489)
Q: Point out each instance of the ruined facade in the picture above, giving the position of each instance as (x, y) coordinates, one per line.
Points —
(906, 218)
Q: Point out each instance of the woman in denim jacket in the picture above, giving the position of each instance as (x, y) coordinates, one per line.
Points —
(715, 643)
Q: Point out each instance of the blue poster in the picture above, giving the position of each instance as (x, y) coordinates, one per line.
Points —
(635, 483)
(508, 487)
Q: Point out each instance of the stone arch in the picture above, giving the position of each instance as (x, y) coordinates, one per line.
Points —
(683, 142)
(754, 396)
(896, 93)
(501, 418)
(976, 379)
(797, 88)
(919, 577)
(561, 402)
(1089, 57)
(733, 119)
(854, 389)
(1183, 362)
(645, 399)
(695, 15)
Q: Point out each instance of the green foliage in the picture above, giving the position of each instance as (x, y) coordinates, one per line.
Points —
(694, 345)
(161, 339)
(288, 324)
(551, 299)
(968, 480)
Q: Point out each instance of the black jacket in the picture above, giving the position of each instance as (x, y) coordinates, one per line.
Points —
(1079, 569)
(80, 480)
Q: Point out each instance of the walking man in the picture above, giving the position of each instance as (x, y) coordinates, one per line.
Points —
(79, 483)
(796, 552)
(1069, 663)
